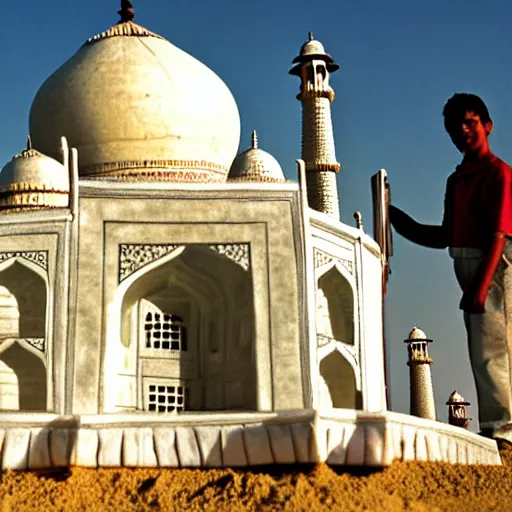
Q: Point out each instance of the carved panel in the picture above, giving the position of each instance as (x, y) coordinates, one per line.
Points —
(321, 258)
(133, 257)
(40, 258)
(239, 253)
(37, 343)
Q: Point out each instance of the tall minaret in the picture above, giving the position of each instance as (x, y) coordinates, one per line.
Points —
(421, 389)
(313, 66)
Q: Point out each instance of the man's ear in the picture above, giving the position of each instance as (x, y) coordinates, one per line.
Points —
(488, 126)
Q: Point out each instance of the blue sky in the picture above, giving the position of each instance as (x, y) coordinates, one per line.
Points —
(400, 61)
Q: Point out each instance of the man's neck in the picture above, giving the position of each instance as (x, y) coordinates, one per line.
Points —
(478, 155)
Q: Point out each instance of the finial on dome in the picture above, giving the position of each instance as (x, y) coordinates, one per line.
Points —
(310, 35)
(254, 140)
(29, 143)
(126, 12)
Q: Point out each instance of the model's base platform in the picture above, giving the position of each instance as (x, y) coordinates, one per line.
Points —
(338, 437)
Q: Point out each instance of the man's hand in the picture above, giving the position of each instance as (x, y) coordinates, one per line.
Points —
(473, 301)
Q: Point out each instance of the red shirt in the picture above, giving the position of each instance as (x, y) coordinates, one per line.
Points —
(478, 202)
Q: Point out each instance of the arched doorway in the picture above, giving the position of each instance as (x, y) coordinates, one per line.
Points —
(23, 304)
(338, 386)
(335, 307)
(187, 324)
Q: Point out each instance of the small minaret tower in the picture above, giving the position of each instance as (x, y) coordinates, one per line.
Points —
(314, 66)
(421, 389)
(457, 413)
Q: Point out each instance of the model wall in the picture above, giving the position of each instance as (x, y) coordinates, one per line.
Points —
(224, 268)
(34, 279)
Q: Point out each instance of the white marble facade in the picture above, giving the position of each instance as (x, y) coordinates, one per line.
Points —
(214, 297)
(138, 275)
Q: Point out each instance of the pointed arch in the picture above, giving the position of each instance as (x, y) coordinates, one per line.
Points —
(195, 287)
(336, 304)
(339, 388)
(23, 371)
(22, 379)
(29, 285)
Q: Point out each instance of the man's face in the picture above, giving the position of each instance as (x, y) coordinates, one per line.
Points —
(468, 133)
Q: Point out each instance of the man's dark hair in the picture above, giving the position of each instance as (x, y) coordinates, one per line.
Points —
(462, 102)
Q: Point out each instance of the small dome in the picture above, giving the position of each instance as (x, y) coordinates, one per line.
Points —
(417, 334)
(310, 50)
(135, 106)
(312, 47)
(33, 180)
(254, 164)
(457, 398)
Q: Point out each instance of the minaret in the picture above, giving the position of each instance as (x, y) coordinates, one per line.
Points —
(457, 413)
(314, 66)
(420, 376)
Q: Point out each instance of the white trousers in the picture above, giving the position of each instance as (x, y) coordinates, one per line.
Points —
(490, 336)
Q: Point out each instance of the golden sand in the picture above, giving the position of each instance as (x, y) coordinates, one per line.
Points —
(402, 486)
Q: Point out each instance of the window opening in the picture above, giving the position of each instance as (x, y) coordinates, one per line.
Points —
(165, 332)
(165, 398)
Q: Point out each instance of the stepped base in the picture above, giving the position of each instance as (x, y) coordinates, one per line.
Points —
(337, 437)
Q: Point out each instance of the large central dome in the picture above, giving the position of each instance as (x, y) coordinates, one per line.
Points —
(136, 106)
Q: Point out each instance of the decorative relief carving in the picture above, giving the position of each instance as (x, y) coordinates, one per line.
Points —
(37, 343)
(239, 253)
(133, 257)
(321, 258)
(192, 171)
(127, 28)
(347, 264)
(40, 258)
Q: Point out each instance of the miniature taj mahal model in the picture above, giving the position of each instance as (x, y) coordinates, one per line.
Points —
(167, 302)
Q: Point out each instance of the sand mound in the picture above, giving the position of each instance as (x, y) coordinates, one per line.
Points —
(402, 486)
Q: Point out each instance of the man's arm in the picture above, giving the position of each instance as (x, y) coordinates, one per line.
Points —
(421, 234)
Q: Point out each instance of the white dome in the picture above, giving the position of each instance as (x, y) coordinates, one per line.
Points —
(135, 105)
(254, 164)
(32, 179)
(312, 47)
(457, 398)
(417, 334)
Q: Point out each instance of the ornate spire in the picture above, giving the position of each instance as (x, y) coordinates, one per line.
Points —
(126, 12)
(310, 35)
(254, 140)
(29, 143)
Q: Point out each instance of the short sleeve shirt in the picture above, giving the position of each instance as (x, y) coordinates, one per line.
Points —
(478, 203)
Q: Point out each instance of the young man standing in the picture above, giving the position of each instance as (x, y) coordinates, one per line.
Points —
(476, 228)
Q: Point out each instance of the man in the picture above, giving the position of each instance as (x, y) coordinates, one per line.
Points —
(476, 227)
